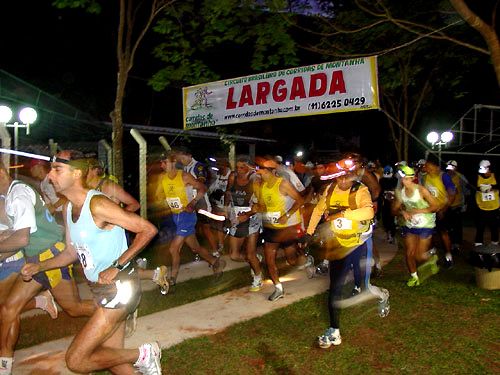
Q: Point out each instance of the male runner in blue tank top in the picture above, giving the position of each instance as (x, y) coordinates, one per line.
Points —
(95, 234)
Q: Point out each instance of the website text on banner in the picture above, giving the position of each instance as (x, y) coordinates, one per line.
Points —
(340, 86)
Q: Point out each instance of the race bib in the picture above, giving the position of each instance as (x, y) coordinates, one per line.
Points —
(487, 197)
(342, 223)
(241, 210)
(433, 191)
(416, 220)
(271, 217)
(174, 203)
(85, 257)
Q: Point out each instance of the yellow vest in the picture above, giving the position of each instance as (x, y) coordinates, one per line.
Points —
(347, 232)
(487, 201)
(176, 192)
(436, 187)
(276, 206)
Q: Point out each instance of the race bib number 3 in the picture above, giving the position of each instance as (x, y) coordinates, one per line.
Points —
(487, 197)
(342, 223)
(174, 203)
(271, 217)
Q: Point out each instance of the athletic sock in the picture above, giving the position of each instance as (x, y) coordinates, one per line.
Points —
(279, 286)
(414, 275)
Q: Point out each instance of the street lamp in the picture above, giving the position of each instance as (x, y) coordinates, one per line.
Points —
(439, 140)
(26, 116)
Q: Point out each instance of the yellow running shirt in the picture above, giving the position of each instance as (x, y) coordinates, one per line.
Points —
(487, 201)
(176, 192)
(276, 205)
(436, 187)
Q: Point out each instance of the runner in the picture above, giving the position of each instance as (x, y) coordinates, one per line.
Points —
(198, 171)
(279, 203)
(95, 228)
(98, 180)
(388, 186)
(417, 207)
(36, 233)
(487, 201)
(442, 188)
(216, 196)
(458, 205)
(239, 198)
(39, 169)
(176, 189)
(347, 207)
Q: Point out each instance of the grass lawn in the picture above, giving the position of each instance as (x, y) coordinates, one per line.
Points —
(445, 326)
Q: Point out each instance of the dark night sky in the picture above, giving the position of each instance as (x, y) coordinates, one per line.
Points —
(72, 56)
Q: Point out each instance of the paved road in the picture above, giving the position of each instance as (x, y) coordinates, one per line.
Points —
(204, 317)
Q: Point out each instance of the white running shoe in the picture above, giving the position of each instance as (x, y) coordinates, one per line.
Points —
(148, 362)
(161, 279)
(329, 338)
(256, 285)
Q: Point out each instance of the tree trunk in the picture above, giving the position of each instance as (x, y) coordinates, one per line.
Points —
(117, 121)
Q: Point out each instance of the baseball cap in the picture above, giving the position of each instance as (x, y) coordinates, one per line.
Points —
(451, 165)
(388, 170)
(406, 171)
(421, 162)
(484, 166)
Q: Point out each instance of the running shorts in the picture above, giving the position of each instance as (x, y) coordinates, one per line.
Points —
(245, 229)
(421, 232)
(285, 236)
(12, 264)
(184, 223)
(50, 279)
(124, 293)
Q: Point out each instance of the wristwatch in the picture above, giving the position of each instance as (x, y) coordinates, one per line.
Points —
(117, 265)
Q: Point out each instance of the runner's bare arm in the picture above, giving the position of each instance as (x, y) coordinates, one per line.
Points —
(201, 189)
(15, 241)
(288, 189)
(119, 195)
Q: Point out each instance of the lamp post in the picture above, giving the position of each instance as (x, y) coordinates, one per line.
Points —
(27, 116)
(439, 140)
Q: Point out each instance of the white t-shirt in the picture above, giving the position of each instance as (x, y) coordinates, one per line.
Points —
(20, 207)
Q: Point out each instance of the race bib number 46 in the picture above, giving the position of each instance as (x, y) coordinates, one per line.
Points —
(174, 203)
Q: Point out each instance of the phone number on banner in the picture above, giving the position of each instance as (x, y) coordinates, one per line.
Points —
(337, 103)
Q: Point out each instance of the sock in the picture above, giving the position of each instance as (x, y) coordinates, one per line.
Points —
(40, 302)
(155, 274)
(6, 363)
(257, 278)
(448, 256)
(414, 275)
(325, 262)
(279, 286)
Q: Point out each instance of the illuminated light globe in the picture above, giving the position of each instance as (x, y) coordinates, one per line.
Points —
(5, 114)
(447, 137)
(299, 153)
(432, 137)
(27, 115)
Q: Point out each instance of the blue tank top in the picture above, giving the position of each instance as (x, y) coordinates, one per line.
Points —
(97, 248)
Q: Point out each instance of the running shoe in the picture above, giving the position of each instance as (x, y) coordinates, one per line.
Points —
(131, 324)
(329, 338)
(197, 258)
(383, 305)
(322, 269)
(355, 291)
(256, 286)
(218, 268)
(277, 294)
(160, 278)
(308, 263)
(50, 305)
(413, 281)
(448, 263)
(148, 362)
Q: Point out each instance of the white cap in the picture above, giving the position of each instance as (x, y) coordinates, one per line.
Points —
(421, 162)
(278, 159)
(484, 165)
(451, 165)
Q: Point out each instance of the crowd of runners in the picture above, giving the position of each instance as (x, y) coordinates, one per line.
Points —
(323, 209)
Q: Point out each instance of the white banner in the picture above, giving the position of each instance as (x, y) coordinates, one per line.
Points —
(340, 86)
